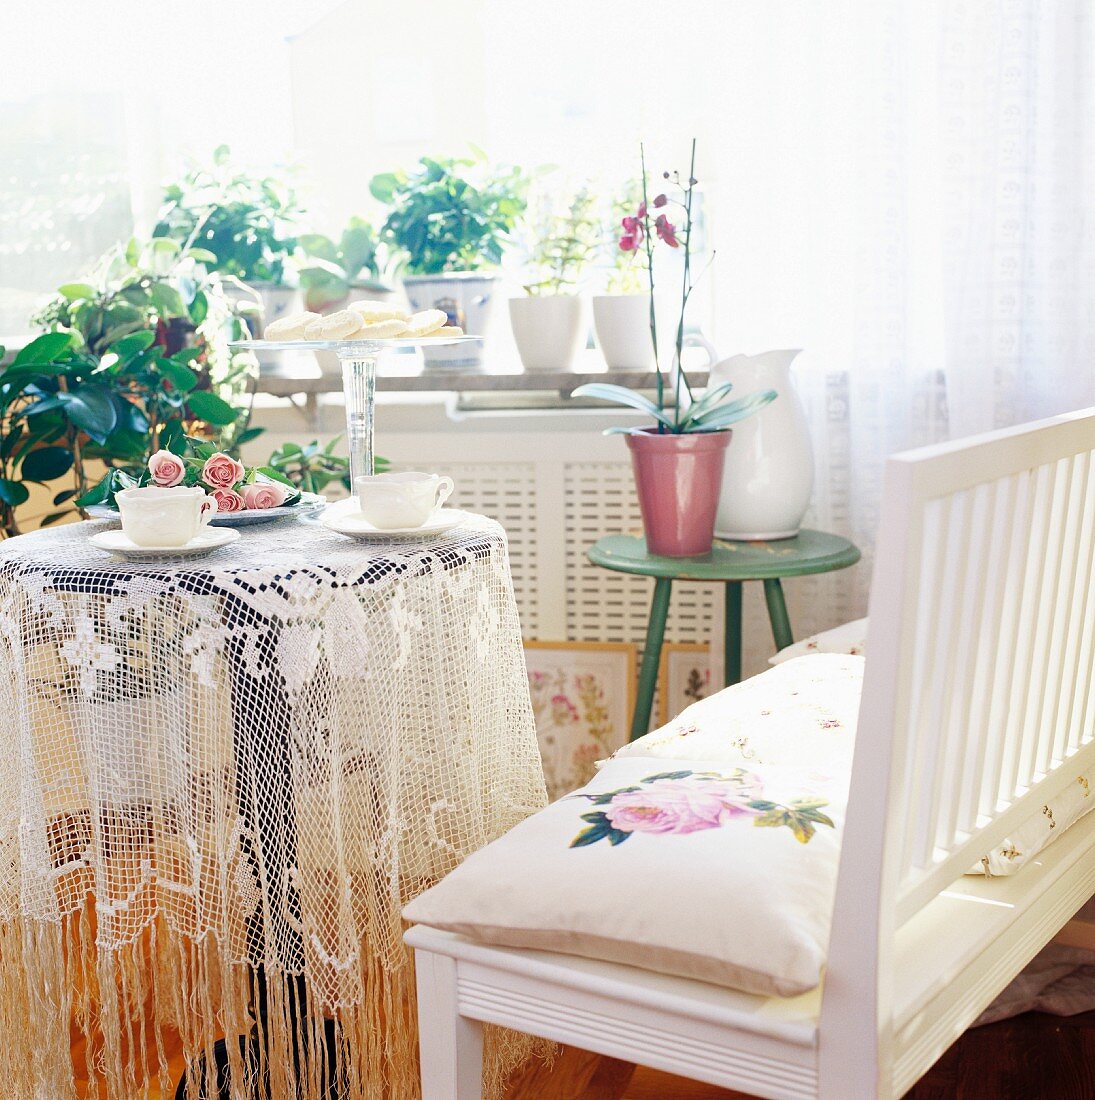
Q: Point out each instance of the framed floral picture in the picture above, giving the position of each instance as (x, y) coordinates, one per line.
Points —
(684, 677)
(582, 695)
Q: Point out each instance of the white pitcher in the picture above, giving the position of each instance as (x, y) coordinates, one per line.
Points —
(769, 471)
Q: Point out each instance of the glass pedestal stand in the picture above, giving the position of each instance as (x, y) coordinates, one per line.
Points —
(358, 359)
(359, 389)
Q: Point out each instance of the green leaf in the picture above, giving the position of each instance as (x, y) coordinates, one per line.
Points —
(725, 415)
(384, 186)
(100, 493)
(212, 409)
(666, 775)
(65, 495)
(129, 347)
(621, 395)
(274, 475)
(90, 408)
(202, 255)
(199, 309)
(9, 441)
(46, 463)
(71, 291)
(248, 435)
(53, 517)
(708, 401)
(44, 349)
(168, 301)
(181, 377)
(13, 493)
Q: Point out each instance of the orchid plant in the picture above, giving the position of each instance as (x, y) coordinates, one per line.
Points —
(647, 230)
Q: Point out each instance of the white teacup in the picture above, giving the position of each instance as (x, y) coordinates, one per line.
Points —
(407, 499)
(152, 516)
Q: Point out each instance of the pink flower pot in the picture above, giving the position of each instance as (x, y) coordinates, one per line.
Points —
(678, 478)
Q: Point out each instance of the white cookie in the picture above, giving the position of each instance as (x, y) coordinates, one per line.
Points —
(381, 330)
(290, 327)
(429, 320)
(372, 312)
(335, 326)
(445, 330)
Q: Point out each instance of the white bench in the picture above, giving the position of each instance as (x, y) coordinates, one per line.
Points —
(978, 706)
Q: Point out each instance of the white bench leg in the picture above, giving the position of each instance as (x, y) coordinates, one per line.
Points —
(450, 1047)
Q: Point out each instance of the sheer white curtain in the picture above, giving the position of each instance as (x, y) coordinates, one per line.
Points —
(908, 193)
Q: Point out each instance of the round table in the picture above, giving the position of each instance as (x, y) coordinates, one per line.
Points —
(732, 563)
(222, 778)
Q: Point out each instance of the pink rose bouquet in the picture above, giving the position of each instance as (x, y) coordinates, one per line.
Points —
(166, 470)
(222, 471)
(259, 495)
(228, 500)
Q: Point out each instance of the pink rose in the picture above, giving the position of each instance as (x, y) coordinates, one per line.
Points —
(222, 471)
(228, 500)
(262, 495)
(682, 806)
(166, 469)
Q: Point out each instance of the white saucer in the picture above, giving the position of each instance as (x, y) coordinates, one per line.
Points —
(345, 517)
(118, 543)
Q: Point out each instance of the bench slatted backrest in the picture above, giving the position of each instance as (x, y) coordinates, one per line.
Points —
(979, 690)
(995, 693)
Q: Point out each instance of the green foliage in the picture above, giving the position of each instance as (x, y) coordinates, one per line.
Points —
(331, 267)
(136, 355)
(713, 412)
(440, 221)
(312, 467)
(564, 243)
(241, 221)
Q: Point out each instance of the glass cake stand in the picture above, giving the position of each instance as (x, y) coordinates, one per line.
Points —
(358, 359)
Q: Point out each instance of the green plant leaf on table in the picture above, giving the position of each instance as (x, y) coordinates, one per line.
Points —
(90, 408)
(621, 395)
(13, 493)
(209, 407)
(46, 463)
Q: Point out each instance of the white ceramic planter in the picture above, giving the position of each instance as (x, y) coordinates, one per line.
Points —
(622, 324)
(466, 297)
(768, 474)
(549, 331)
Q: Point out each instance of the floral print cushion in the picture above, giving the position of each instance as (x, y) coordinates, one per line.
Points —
(848, 638)
(800, 713)
(709, 870)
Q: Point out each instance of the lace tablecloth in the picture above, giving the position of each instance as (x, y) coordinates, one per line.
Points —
(230, 772)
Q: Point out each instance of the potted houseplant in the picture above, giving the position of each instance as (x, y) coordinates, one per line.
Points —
(678, 462)
(336, 272)
(548, 322)
(449, 233)
(245, 222)
(139, 349)
(621, 316)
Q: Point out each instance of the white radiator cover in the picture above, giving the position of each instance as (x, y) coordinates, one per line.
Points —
(557, 485)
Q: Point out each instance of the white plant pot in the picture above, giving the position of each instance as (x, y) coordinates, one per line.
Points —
(549, 331)
(466, 297)
(768, 473)
(622, 324)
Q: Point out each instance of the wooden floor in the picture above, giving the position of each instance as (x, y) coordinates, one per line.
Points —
(1032, 1057)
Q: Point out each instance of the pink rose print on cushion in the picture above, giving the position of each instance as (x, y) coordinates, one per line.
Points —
(260, 495)
(680, 806)
(166, 469)
(228, 500)
(685, 802)
(222, 471)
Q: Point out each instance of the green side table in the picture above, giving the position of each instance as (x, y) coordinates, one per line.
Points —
(732, 563)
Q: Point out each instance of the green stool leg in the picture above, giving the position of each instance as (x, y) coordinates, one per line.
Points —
(777, 613)
(732, 633)
(652, 653)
